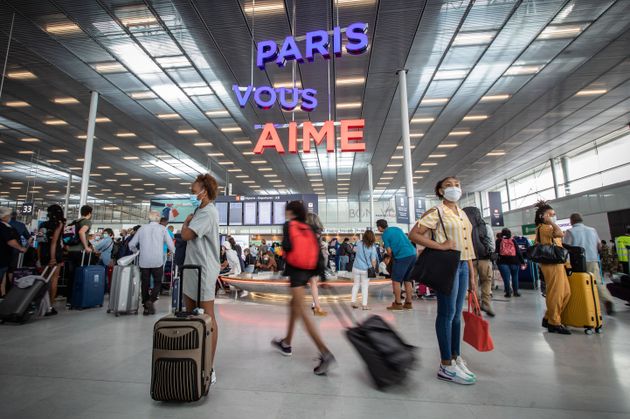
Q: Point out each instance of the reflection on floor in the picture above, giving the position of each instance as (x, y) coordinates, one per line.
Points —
(92, 365)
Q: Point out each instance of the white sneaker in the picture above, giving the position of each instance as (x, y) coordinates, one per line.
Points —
(213, 377)
(462, 366)
(454, 374)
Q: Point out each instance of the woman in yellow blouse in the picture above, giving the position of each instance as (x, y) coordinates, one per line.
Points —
(556, 281)
(449, 313)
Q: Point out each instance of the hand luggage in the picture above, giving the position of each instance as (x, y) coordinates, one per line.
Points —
(124, 295)
(182, 352)
(88, 289)
(387, 356)
(23, 300)
(577, 258)
(21, 271)
(583, 309)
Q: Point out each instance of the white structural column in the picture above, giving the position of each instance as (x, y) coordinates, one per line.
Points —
(564, 161)
(507, 192)
(68, 188)
(371, 186)
(554, 176)
(404, 119)
(89, 145)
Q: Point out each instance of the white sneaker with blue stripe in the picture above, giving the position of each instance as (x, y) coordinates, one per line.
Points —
(461, 364)
(454, 374)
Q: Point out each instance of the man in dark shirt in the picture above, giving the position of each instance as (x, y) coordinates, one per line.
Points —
(9, 241)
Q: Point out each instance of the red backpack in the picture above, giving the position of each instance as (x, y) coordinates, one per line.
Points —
(507, 248)
(305, 250)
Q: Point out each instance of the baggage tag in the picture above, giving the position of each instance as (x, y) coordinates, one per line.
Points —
(97, 279)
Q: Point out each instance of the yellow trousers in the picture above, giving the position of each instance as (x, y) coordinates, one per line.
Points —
(558, 292)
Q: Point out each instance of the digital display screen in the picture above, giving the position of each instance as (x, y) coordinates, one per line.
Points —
(236, 213)
(249, 213)
(264, 213)
(278, 212)
(222, 207)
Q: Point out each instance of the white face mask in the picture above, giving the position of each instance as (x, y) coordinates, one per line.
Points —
(452, 193)
(554, 219)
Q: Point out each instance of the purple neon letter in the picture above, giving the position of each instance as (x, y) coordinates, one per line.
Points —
(266, 51)
(337, 41)
(317, 42)
(262, 103)
(357, 38)
(289, 51)
(242, 97)
(286, 105)
(309, 100)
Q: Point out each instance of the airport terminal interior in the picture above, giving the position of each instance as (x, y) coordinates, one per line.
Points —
(435, 193)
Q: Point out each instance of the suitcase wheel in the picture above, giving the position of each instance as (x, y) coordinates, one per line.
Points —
(588, 331)
(598, 330)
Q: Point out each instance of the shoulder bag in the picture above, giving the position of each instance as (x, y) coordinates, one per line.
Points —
(437, 268)
(547, 254)
(371, 272)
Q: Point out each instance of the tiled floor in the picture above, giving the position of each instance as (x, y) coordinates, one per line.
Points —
(92, 365)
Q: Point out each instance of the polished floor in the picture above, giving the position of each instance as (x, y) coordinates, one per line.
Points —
(92, 365)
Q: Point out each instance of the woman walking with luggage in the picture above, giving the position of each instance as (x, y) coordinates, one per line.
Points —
(201, 233)
(556, 281)
(509, 261)
(51, 249)
(451, 231)
(364, 268)
(300, 238)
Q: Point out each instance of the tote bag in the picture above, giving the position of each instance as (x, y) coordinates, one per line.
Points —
(476, 329)
(437, 268)
(547, 254)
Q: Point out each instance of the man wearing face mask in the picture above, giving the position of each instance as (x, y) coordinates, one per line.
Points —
(104, 246)
(267, 262)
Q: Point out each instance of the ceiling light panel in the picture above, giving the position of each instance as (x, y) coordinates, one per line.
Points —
(450, 74)
(173, 62)
(522, 70)
(560, 31)
(591, 92)
(21, 75)
(473, 38)
(146, 94)
(109, 67)
(434, 101)
(65, 100)
(495, 98)
(16, 104)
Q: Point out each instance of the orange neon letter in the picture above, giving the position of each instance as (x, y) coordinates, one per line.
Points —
(293, 137)
(347, 135)
(328, 131)
(268, 139)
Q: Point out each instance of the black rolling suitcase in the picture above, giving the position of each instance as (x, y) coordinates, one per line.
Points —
(577, 258)
(387, 356)
(21, 303)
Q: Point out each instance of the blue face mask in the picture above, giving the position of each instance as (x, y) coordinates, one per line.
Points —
(105, 235)
(194, 200)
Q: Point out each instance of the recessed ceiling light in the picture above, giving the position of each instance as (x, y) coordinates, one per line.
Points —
(103, 167)
(422, 120)
(287, 84)
(591, 92)
(121, 174)
(475, 117)
(496, 153)
(230, 129)
(55, 122)
(217, 114)
(394, 165)
(173, 62)
(259, 161)
(428, 164)
(235, 170)
(265, 169)
(146, 146)
(61, 28)
(489, 98)
(80, 159)
(53, 161)
(30, 140)
(521, 70)
(131, 158)
(110, 148)
(242, 176)
(125, 134)
(450, 74)
(146, 94)
(109, 67)
(21, 75)
(7, 162)
(136, 179)
(248, 181)
(65, 100)
(343, 81)
(248, 153)
(560, 31)
(390, 172)
(25, 152)
(198, 91)
(434, 101)
(473, 38)
(187, 131)
(349, 105)
(59, 150)
(264, 9)
(397, 157)
(215, 154)
(102, 119)
(203, 144)
(447, 145)
(226, 163)
(416, 135)
(242, 142)
(436, 156)
(16, 104)
(168, 116)
(149, 184)
(459, 133)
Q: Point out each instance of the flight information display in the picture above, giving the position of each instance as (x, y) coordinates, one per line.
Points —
(264, 213)
(236, 213)
(222, 207)
(278, 212)
(249, 213)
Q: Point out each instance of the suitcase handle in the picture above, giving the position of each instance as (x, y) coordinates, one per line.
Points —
(83, 258)
(181, 285)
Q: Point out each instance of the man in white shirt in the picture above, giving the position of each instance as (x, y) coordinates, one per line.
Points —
(586, 237)
(151, 238)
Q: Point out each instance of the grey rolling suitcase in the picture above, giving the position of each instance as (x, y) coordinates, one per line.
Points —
(124, 295)
(26, 297)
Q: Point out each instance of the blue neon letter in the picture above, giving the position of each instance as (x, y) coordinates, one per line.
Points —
(289, 51)
(266, 51)
(242, 97)
(357, 38)
(262, 103)
(317, 42)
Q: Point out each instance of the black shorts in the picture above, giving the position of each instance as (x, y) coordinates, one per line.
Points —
(299, 277)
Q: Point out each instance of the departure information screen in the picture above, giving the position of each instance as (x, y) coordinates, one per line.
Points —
(249, 213)
(278, 212)
(222, 207)
(264, 213)
(236, 213)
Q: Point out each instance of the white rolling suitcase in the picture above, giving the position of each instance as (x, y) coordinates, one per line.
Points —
(124, 295)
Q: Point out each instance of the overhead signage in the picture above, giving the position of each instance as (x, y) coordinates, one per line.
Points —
(419, 208)
(496, 209)
(319, 42)
(238, 210)
(27, 208)
(402, 209)
(528, 229)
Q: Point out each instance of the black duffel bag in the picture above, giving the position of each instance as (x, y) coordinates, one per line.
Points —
(547, 254)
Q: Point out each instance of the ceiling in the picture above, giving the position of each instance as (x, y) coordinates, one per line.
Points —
(494, 87)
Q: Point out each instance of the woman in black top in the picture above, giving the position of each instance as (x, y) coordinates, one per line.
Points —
(298, 279)
(51, 248)
(509, 260)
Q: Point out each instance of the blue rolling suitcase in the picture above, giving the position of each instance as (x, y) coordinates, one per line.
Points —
(89, 286)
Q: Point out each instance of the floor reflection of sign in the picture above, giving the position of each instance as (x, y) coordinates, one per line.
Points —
(402, 209)
(496, 209)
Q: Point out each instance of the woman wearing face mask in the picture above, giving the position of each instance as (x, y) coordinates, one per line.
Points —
(201, 233)
(556, 281)
(449, 307)
(104, 247)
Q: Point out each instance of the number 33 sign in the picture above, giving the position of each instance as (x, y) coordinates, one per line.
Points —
(27, 208)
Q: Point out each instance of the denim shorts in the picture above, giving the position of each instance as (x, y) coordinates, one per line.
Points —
(402, 268)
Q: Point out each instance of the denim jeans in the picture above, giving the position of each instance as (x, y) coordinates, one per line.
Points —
(448, 323)
(508, 271)
(343, 262)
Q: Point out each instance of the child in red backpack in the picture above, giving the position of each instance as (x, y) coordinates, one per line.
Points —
(509, 261)
(301, 250)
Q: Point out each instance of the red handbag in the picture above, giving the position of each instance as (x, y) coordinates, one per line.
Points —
(476, 329)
